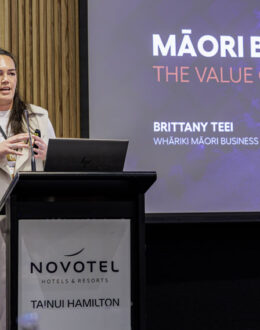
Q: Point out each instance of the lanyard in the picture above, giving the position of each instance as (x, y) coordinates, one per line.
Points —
(2, 132)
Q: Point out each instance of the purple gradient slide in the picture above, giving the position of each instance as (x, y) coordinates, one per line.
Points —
(181, 81)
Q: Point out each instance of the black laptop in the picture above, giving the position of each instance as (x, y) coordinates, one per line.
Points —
(84, 155)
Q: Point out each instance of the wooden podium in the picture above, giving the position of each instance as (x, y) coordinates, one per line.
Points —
(40, 199)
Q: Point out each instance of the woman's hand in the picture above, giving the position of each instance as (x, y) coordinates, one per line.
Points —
(10, 145)
(41, 151)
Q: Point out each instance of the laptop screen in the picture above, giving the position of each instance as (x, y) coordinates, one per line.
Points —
(84, 155)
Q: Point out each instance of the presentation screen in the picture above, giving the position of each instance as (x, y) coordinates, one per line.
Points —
(181, 81)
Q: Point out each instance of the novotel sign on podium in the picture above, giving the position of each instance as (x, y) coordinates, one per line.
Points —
(75, 273)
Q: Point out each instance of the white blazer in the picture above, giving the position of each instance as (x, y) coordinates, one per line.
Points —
(38, 119)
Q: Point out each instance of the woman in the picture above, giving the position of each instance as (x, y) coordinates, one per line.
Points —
(15, 154)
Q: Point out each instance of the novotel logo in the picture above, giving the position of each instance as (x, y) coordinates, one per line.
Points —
(78, 266)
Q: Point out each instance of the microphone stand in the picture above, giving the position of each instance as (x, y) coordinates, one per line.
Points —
(33, 163)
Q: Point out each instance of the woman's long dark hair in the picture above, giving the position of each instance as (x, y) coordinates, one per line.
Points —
(16, 115)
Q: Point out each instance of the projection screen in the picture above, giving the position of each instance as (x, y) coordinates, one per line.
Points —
(181, 81)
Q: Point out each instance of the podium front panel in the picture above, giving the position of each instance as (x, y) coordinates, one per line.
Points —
(75, 273)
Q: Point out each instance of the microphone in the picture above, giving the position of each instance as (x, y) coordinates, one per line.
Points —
(38, 133)
(33, 163)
